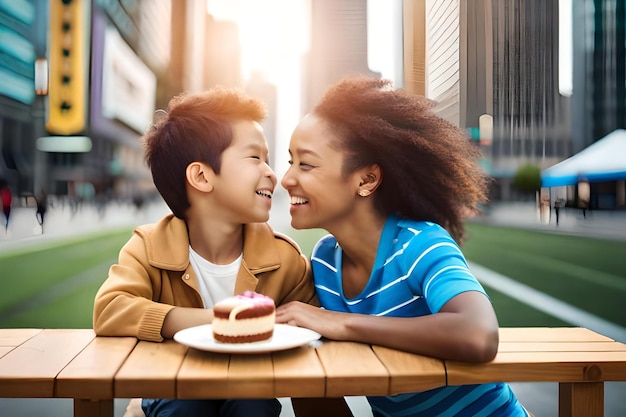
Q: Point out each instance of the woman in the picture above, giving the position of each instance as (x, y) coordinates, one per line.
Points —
(392, 182)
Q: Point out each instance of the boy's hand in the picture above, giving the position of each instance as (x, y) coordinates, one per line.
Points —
(180, 318)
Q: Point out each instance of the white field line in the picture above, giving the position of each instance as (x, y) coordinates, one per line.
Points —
(548, 304)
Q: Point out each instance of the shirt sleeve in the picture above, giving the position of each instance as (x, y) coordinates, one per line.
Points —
(123, 305)
(440, 271)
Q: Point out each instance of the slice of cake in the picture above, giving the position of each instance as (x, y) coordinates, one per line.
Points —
(249, 317)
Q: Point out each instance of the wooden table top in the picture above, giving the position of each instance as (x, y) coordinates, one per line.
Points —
(74, 363)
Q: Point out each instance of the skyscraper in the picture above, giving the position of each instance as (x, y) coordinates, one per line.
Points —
(599, 54)
(511, 71)
(338, 46)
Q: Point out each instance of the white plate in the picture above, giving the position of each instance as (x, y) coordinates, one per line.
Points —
(285, 337)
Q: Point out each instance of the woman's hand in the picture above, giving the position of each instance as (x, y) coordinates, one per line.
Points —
(329, 324)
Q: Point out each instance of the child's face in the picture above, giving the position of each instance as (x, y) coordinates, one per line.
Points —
(245, 184)
(321, 197)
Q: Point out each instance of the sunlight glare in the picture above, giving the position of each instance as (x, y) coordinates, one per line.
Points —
(273, 33)
(274, 36)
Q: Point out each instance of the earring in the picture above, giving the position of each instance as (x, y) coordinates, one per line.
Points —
(364, 193)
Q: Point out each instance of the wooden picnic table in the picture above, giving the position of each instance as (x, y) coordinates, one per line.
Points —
(74, 363)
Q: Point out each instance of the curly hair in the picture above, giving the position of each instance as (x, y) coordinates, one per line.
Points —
(430, 167)
(196, 127)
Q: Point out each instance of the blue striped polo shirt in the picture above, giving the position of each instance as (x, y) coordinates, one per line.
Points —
(418, 268)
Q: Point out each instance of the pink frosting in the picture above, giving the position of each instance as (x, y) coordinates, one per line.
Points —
(255, 298)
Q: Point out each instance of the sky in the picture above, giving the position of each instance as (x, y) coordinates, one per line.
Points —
(274, 34)
(263, 26)
(263, 23)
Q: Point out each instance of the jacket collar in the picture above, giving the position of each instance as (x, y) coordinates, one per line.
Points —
(167, 245)
(260, 251)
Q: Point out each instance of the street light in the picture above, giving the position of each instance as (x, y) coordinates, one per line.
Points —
(39, 118)
(485, 126)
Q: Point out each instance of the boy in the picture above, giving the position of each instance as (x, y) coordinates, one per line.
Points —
(209, 161)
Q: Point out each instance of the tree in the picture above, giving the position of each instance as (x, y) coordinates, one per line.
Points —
(527, 178)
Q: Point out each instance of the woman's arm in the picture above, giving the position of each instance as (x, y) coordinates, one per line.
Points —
(465, 329)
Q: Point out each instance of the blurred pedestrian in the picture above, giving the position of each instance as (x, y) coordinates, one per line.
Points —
(557, 207)
(544, 209)
(138, 201)
(42, 206)
(584, 195)
(6, 202)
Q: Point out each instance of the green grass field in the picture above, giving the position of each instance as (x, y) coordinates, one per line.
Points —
(54, 286)
(587, 273)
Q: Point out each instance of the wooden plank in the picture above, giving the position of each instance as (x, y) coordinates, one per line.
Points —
(202, 375)
(90, 375)
(90, 408)
(250, 376)
(29, 370)
(298, 373)
(287, 373)
(541, 367)
(617, 357)
(15, 337)
(11, 338)
(550, 334)
(150, 370)
(581, 399)
(347, 376)
(561, 347)
(466, 373)
(410, 372)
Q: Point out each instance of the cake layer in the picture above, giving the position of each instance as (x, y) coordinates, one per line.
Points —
(253, 310)
(244, 327)
(244, 318)
(243, 339)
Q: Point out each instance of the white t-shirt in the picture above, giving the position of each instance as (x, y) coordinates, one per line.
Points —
(216, 282)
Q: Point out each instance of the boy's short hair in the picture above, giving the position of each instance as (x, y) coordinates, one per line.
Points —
(196, 127)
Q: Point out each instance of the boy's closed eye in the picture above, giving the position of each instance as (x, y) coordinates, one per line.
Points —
(260, 158)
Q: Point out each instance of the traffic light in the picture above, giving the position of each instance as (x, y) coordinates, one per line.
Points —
(68, 50)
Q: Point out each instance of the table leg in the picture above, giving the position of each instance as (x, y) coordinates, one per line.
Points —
(581, 399)
(93, 408)
(314, 407)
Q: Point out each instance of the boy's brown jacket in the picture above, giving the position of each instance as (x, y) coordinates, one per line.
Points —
(153, 275)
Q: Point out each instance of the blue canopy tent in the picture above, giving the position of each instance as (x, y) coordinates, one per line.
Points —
(604, 160)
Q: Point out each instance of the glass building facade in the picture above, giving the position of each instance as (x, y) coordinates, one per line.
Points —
(599, 62)
(509, 71)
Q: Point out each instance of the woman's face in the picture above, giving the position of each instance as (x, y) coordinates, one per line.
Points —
(320, 196)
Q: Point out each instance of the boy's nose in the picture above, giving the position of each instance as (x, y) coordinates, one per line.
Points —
(271, 174)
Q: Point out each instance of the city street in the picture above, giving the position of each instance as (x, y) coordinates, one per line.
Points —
(61, 222)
